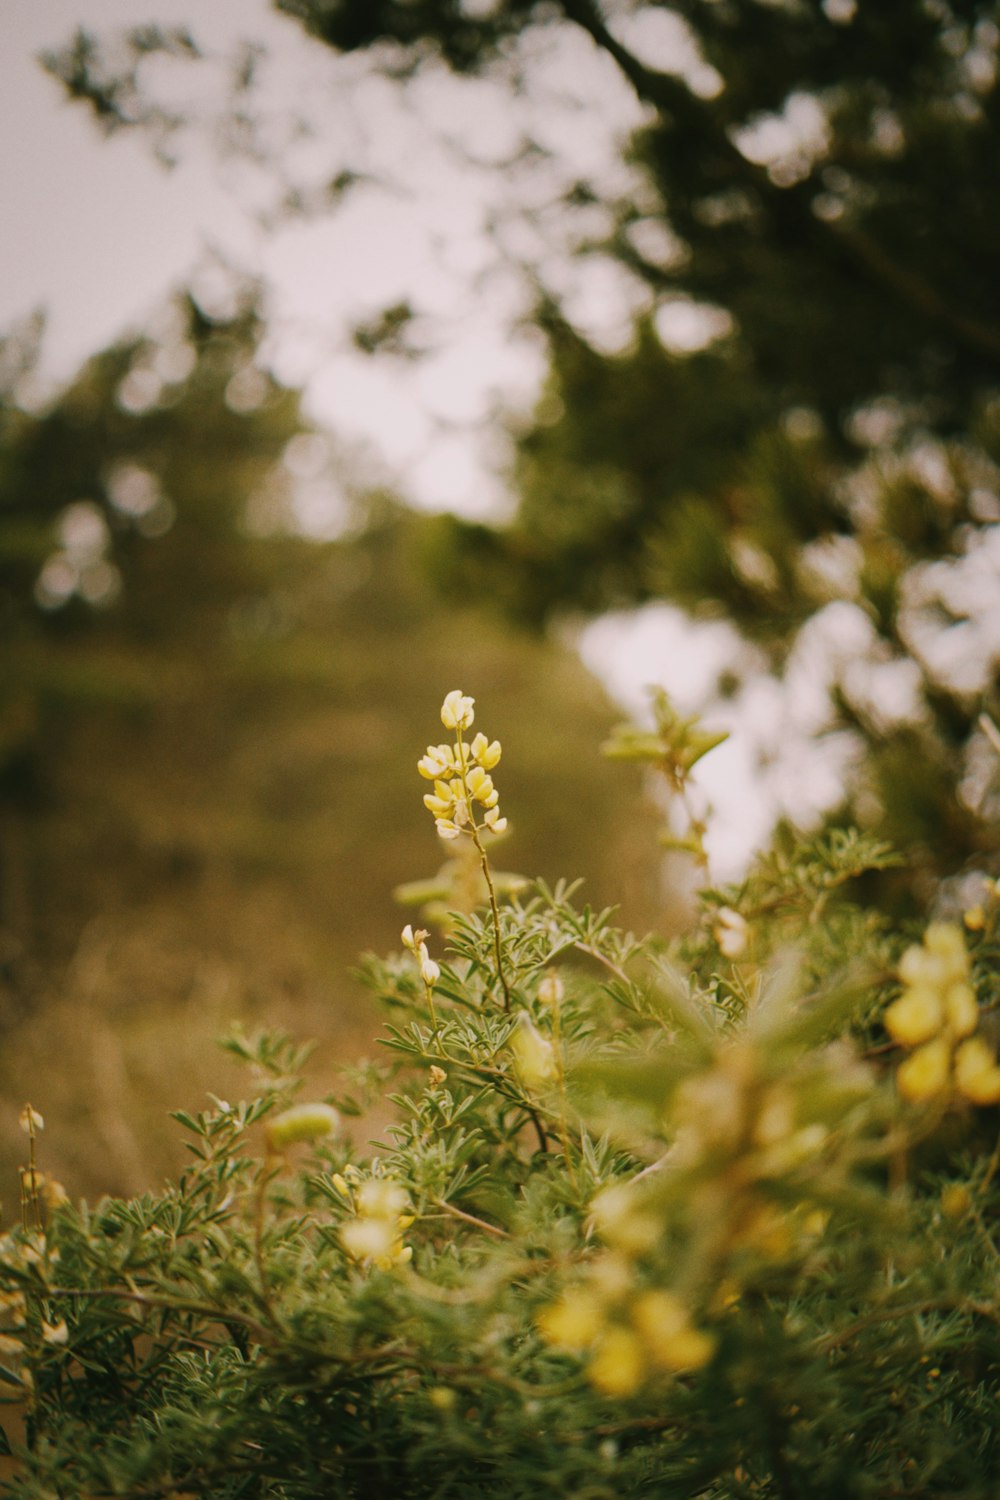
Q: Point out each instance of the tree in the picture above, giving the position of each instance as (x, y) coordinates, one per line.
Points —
(803, 431)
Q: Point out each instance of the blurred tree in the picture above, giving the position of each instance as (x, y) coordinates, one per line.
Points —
(208, 785)
(806, 423)
(802, 433)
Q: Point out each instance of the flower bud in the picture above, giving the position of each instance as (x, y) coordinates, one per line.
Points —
(534, 1055)
(303, 1122)
(925, 1072)
(457, 711)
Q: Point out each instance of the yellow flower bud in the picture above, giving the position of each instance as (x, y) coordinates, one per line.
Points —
(975, 918)
(617, 1367)
(961, 1009)
(670, 1340)
(573, 1322)
(485, 755)
(946, 941)
(915, 1017)
(924, 1074)
(341, 1186)
(534, 1056)
(457, 711)
(494, 822)
(976, 1073)
(956, 1200)
(481, 786)
(303, 1122)
(436, 1076)
(30, 1120)
(622, 1222)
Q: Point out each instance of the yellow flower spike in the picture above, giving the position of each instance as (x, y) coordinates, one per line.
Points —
(915, 1017)
(618, 1365)
(457, 710)
(574, 1322)
(976, 1073)
(924, 1074)
(961, 1009)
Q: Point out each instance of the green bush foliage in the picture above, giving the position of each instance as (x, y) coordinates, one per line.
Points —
(708, 1218)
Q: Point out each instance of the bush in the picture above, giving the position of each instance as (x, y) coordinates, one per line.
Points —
(709, 1218)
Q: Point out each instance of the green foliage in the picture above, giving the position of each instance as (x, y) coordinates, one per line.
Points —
(649, 1218)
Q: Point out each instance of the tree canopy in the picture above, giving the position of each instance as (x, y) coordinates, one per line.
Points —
(801, 431)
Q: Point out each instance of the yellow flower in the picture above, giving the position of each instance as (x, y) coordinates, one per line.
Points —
(534, 1056)
(924, 1074)
(961, 1009)
(480, 784)
(494, 822)
(618, 1366)
(670, 1340)
(573, 1322)
(622, 1222)
(381, 1198)
(303, 1122)
(484, 754)
(976, 1073)
(457, 711)
(915, 1017)
(439, 761)
(368, 1239)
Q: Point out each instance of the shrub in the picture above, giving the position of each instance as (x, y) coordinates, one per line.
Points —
(706, 1218)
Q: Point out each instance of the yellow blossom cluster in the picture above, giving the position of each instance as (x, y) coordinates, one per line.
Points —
(629, 1336)
(463, 787)
(937, 1017)
(374, 1236)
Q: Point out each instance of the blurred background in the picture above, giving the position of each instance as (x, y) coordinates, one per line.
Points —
(355, 352)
